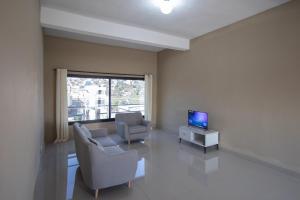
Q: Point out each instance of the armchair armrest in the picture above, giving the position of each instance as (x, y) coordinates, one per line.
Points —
(122, 129)
(101, 132)
(147, 124)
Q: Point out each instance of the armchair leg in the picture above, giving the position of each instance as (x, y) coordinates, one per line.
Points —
(130, 183)
(97, 194)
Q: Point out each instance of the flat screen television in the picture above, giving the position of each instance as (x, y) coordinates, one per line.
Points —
(198, 119)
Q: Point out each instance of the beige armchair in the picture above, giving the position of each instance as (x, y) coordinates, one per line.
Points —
(132, 126)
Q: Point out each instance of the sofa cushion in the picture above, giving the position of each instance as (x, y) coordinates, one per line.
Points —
(95, 142)
(86, 131)
(137, 129)
(100, 132)
(113, 150)
(105, 141)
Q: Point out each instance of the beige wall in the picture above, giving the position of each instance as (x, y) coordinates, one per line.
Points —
(83, 56)
(21, 89)
(247, 76)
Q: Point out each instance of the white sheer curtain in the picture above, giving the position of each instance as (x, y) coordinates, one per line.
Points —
(148, 96)
(62, 134)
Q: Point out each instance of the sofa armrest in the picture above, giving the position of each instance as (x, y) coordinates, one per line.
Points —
(114, 169)
(101, 132)
(147, 124)
(122, 129)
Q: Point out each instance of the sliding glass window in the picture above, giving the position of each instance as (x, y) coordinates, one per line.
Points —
(127, 96)
(92, 98)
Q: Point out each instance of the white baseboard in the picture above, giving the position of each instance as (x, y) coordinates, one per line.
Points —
(269, 162)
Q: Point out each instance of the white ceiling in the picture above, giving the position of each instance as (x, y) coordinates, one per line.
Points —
(192, 18)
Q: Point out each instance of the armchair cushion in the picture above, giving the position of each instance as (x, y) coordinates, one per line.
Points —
(132, 126)
(137, 129)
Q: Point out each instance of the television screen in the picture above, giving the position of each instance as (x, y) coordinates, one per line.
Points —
(198, 119)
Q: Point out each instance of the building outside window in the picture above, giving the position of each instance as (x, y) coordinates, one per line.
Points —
(92, 98)
(127, 96)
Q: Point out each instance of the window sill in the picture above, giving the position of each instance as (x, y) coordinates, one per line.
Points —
(92, 121)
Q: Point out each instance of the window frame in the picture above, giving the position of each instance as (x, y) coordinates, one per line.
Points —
(109, 77)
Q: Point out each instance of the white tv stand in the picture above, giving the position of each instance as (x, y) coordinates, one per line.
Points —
(201, 137)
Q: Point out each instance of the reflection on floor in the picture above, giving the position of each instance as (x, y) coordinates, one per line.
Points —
(169, 170)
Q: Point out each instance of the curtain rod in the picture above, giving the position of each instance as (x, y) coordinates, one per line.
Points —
(104, 73)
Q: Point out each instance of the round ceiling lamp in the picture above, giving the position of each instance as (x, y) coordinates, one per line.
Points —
(165, 6)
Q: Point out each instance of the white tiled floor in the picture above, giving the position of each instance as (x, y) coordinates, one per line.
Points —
(169, 170)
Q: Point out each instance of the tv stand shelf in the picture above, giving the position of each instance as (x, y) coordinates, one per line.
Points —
(201, 137)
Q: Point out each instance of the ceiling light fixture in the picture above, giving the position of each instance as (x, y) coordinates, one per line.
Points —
(166, 6)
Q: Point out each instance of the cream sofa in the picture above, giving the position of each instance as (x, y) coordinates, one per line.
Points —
(102, 162)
